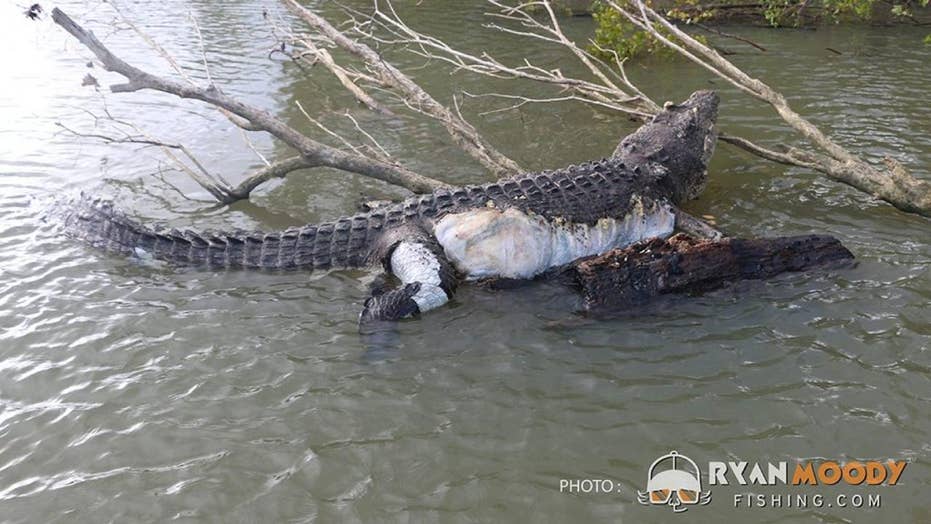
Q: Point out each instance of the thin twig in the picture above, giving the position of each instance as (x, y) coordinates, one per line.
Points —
(314, 152)
(203, 46)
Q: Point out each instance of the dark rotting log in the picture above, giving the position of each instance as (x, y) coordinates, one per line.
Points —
(682, 264)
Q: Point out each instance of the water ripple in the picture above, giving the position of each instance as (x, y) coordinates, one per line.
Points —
(139, 393)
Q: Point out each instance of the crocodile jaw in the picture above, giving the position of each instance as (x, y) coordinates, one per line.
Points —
(489, 242)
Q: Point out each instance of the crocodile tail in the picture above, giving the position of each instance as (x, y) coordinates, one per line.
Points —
(343, 243)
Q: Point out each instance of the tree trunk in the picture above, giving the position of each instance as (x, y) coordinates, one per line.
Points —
(625, 278)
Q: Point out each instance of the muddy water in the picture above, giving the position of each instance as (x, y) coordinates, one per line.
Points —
(129, 392)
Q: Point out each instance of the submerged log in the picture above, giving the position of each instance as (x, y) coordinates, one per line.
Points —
(682, 264)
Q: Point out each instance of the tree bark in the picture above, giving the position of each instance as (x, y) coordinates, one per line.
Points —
(630, 277)
(465, 135)
(894, 184)
(314, 153)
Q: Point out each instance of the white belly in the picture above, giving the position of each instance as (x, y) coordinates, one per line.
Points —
(492, 243)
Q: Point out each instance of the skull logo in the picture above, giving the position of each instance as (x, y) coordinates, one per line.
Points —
(678, 486)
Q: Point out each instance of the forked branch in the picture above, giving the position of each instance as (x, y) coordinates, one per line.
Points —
(611, 89)
(414, 96)
(893, 184)
(312, 152)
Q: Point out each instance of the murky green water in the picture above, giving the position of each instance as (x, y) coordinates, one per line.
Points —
(132, 393)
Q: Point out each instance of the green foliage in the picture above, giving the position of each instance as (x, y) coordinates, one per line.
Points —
(928, 40)
(903, 8)
(900, 10)
(613, 32)
(776, 12)
(789, 12)
(861, 9)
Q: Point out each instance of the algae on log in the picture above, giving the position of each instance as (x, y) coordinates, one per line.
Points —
(632, 276)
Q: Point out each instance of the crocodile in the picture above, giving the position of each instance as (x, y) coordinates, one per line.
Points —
(515, 228)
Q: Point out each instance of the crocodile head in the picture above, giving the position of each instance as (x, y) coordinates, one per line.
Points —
(676, 145)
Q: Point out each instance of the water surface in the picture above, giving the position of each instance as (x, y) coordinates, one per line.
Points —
(130, 392)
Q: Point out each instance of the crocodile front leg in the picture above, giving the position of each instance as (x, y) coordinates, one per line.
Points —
(428, 280)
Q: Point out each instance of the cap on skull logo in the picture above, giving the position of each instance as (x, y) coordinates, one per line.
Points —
(678, 486)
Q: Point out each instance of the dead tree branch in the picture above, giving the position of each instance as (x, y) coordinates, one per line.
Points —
(894, 184)
(612, 89)
(630, 277)
(390, 77)
(314, 153)
(175, 66)
(607, 88)
(198, 172)
(213, 184)
(277, 169)
(321, 55)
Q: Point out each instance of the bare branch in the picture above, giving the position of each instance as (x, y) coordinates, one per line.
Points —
(323, 56)
(274, 170)
(203, 47)
(315, 153)
(248, 141)
(364, 133)
(729, 35)
(894, 185)
(606, 92)
(204, 178)
(151, 42)
(324, 128)
(239, 122)
(524, 100)
(465, 135)
(155, 46)
(782, 157)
